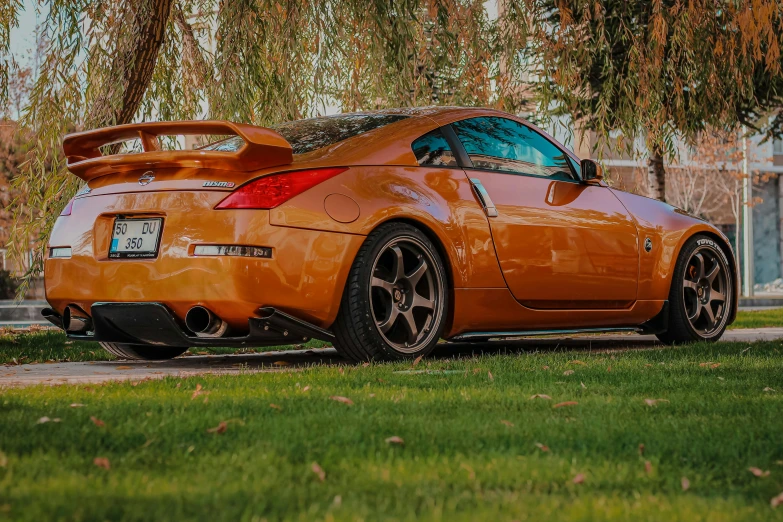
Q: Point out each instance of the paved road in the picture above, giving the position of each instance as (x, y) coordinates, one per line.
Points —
(96, 372)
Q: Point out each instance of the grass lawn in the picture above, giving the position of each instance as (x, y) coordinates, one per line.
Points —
(476, 445)
(759, 318)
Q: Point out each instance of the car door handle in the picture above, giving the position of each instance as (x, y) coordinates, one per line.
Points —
(483, 196)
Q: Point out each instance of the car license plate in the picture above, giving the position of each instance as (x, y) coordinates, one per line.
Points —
(135, 238)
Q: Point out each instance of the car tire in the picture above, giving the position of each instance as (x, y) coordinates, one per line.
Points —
(395, 301)
(702, 293)
(141, 352)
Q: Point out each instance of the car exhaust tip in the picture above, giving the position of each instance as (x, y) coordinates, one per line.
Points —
(204, 323)
(76, 320)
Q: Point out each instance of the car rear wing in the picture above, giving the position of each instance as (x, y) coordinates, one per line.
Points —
(263, 148)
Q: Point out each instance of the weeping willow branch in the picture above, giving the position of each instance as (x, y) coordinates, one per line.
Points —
(9, 14)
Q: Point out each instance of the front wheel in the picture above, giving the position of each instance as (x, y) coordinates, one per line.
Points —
(141, 352)
(701, 295)
(395, 303)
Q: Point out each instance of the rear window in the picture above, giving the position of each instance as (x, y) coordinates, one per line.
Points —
(315, 133)
(432, 149)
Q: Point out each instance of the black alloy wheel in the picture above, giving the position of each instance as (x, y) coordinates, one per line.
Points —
(395, 303)
(702, 293)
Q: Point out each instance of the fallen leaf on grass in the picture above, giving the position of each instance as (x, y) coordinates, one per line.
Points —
(44, 420)
(608, 368)
(709, 364)
(489, 375)
(568, 372)
(198, 391)
(654, 402)
(577, 361)
(344, 400)
(306, 388)
(77, 405)
(566, 403)
(101, 462)
(3, 460)
(768, 389)
(583, 385)
(219, 429)
(542, 447)
(318, 470)
(98, 422)
(647, 467)
(507, 423)
(416, 361)
(395, 440)
(685, 483)
(123, 368)
(776, 501)
(540, 396)
(758, 472)
(545, 367)
(641, 449)
(281, 363)
(580, 478)
(275, 406)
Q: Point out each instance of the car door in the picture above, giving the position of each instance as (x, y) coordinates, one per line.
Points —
(561, 243)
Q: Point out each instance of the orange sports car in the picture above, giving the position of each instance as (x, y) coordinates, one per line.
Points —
(381, 232)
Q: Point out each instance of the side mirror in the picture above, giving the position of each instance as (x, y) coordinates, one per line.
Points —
(591, 170)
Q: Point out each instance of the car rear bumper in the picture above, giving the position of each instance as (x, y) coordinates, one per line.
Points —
(304, 277)
(154, 324)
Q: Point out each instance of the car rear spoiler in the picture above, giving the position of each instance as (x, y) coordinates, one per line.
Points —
(263, 148)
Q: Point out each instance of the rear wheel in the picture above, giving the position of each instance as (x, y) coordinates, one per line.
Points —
(141, 352)
(701, 295)
(395, 302)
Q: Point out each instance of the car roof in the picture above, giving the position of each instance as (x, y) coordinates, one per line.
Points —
(391, 144)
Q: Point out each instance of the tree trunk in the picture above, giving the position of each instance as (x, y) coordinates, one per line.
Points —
(133, 63)
(656, 175)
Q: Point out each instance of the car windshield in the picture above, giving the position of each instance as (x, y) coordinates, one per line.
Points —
(315, 133)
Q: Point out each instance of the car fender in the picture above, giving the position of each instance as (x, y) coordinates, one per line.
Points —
(667, 228)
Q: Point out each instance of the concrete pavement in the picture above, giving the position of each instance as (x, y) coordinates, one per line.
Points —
(98, 372)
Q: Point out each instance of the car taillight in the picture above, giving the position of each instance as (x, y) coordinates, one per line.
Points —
(273, 190)
(68, 208)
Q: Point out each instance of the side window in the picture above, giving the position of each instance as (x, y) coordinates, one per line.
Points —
(505, 145)
(433, 150)
(576, 166)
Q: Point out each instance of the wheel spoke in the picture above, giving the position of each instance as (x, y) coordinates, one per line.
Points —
(410, 323)
(710, 317)
(690, 284)
(422, 302)
(377, 282)
(385, 325)
(399, 265)
(417, 273)
(696, 311)
(713, 273)
(717, 296)
(700, 269)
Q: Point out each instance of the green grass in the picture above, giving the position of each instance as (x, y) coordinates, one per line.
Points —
(759, 318)
(459, 461)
